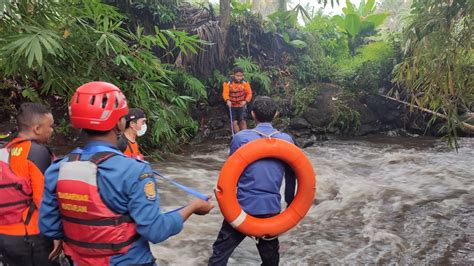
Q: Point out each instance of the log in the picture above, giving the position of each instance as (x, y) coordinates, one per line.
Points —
(468, 128)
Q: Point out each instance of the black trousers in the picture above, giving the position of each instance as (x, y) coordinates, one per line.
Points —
(238, 113)
(229, 238)
(26, 251)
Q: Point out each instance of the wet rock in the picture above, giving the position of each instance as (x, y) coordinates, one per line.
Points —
(302, 133)
(199, 138)
(387, 111)
(320, 113)
(214, 98)
(320, 116)
(305, 142)
(299, 123)
(216, 124)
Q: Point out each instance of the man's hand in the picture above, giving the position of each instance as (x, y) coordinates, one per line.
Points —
(197, 206)
(58, 248)
(243, 103)
(201, 207)
(229, 103)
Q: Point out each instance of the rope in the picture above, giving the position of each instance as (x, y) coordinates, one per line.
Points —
(231, 121)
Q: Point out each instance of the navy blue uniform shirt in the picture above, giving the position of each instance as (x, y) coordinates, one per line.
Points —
(259, 185)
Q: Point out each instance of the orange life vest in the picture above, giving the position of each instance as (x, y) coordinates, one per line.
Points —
(236, 92)
(16, 194)
(91, 229)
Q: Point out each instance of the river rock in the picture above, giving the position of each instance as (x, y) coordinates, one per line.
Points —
(214, 97)
(216, 124)
(299, 123)
(305, 142)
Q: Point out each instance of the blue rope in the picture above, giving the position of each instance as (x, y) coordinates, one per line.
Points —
(186, 189)
(182, 187)
(231, 121)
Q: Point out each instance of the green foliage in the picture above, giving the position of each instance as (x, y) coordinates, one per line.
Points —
(216, 79)
(438, 64)
(253, 74)
(303, 97)
(285, 23)
(64, 44)
(345, 118)
(309, 70)
(325, 39)
(240, 8)
(148, 12)
(187, 84)
(359, 22)
(63, 127)
(369, 70)
(31, 95)
(398, 10)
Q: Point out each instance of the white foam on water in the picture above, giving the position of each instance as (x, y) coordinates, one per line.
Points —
(382, 203)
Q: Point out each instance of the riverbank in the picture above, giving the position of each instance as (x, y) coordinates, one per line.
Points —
(330, 113)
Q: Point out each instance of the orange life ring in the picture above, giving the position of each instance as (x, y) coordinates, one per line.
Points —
(226, 189)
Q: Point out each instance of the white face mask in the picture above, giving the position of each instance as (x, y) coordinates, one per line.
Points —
(142, 130)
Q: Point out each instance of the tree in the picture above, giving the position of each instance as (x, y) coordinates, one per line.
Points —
(359, 22)
(397, 10)
(224, 18)
(48, 48)
(438, 64)
(264, 7)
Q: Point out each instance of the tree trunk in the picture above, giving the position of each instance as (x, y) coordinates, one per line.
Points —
(224, 18)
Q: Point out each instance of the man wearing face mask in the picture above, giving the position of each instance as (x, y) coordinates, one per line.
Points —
(135, 127)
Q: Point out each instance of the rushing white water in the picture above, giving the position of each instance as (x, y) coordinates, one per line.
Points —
(394, 200)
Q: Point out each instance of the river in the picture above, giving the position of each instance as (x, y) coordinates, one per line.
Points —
(384, 200)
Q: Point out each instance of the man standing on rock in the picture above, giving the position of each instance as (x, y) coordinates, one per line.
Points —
(237, 93)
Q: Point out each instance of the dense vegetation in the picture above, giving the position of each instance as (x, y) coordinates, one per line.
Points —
(167, 54)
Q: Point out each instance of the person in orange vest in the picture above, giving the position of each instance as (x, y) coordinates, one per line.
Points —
(104, 205)
(135, 127)
(23, 162)
(237, 94)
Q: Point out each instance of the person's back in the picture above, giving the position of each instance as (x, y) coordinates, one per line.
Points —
(258, 190)
(259, 185)
(20, 240)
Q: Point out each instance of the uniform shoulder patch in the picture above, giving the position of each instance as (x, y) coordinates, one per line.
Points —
(145, 175)
(150, 191)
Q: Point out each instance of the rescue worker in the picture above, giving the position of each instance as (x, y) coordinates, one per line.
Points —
(135, 127)
(104, 205)
(258, 189)
(23, 162)
(237, 94)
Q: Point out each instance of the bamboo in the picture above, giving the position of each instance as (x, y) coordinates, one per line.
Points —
(468, 128)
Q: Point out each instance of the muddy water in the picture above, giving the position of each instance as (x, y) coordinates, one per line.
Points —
(389, 200)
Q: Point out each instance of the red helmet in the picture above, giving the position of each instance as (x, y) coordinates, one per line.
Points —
(98, 106)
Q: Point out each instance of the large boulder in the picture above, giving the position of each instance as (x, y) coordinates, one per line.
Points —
(298, 123)
(320, 113)
(387, 111)
(305, 142)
